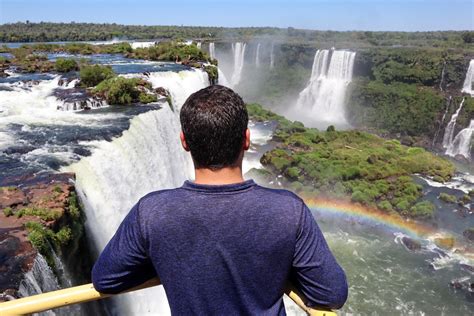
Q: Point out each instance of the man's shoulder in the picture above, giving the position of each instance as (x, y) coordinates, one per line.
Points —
(278, 193)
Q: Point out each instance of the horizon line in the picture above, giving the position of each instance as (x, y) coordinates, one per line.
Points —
(238, 27)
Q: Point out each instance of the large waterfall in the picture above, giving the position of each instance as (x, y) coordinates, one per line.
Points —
(148, 156)
(461, 144)
(469, 81)
(238, 49)
(322, 101)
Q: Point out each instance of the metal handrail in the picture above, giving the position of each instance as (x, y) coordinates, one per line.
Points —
(86, 293)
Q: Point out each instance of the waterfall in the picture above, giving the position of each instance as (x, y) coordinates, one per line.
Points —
(38, 280)
(461, 144)
(449, 131)
(468, 82)
(272, 57)
(147, 157)
(238, 49)
(448, 103)
(442, 77)
(222, 78)
(257, 56)
(199, 44)
(323, 98)
(212, 50)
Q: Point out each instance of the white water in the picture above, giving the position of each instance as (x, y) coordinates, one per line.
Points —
(147, 157)
(238, 49)
(322, 101)
(461, 144)
(272, 57)
(136, 45)
(212, 50)
(199, 44)
(257, 56)
(442, 77)
(38, 280)
(449, 131)
(468, 82)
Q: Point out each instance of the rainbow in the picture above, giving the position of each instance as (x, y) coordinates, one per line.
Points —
(370, 215)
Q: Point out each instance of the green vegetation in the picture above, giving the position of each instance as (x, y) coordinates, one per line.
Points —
(123, 91)
(212, 73)
(92, 75)
(8, 211)
(45, 214)
(396, 107)
(363, 167)
(170, 51)
(448, 198)
(66, 65)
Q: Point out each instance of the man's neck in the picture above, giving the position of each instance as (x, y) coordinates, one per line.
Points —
(226, 175)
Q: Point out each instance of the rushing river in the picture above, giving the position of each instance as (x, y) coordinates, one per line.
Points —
(121, 153)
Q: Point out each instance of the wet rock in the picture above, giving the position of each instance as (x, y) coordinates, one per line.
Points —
(411, 244)
(11, 197)
(3, 74)
(445, 242)
(469, 234)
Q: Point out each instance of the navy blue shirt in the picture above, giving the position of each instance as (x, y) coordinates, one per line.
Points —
(222, 249)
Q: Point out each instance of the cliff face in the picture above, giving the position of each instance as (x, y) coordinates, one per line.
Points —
(37, 214)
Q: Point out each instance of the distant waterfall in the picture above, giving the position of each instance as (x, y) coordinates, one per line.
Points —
(441, 81)
(212, 50)
(238, 49)
(448, 104)
(199, 44)
(272, 57)
(323, 98)
(257, 56)
(468, 82)
(461, 144)
(147, 157)
(449, 131)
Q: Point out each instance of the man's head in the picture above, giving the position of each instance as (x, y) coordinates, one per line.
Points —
(214, 128)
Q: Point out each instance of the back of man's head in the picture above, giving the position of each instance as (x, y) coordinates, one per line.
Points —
(214, 122)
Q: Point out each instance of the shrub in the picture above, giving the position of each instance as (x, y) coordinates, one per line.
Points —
(65, 65)
(43, 213)
(8, 211)
(448, 198)
(422, 209)
(94, 74)
(147, 98)
(123, 91)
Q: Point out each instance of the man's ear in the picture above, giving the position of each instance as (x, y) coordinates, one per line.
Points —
(183, 141)
(247, 139)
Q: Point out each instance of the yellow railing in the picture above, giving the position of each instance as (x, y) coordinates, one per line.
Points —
(87, 293)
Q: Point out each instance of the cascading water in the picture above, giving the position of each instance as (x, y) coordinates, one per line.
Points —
(449, 131)
(323, 98)
(212, 50)
(448, 103)
(257, 56)
(272, 57)
(461, 144)
(147, 157)
(469, 81)
(238, 49)
(441, 81)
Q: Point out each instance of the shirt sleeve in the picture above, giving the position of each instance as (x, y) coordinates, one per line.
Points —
(124, 263)
(315, 272)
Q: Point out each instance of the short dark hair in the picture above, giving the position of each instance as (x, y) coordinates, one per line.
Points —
(214, 121)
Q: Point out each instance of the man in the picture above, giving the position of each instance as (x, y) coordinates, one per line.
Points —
(221, 245)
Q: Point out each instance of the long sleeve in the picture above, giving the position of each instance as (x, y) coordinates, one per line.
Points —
(316, 273)
(124, 263)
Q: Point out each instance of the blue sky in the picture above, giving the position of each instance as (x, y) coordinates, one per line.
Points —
(403, 15)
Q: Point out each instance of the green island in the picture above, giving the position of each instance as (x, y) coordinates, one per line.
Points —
(352, 165)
